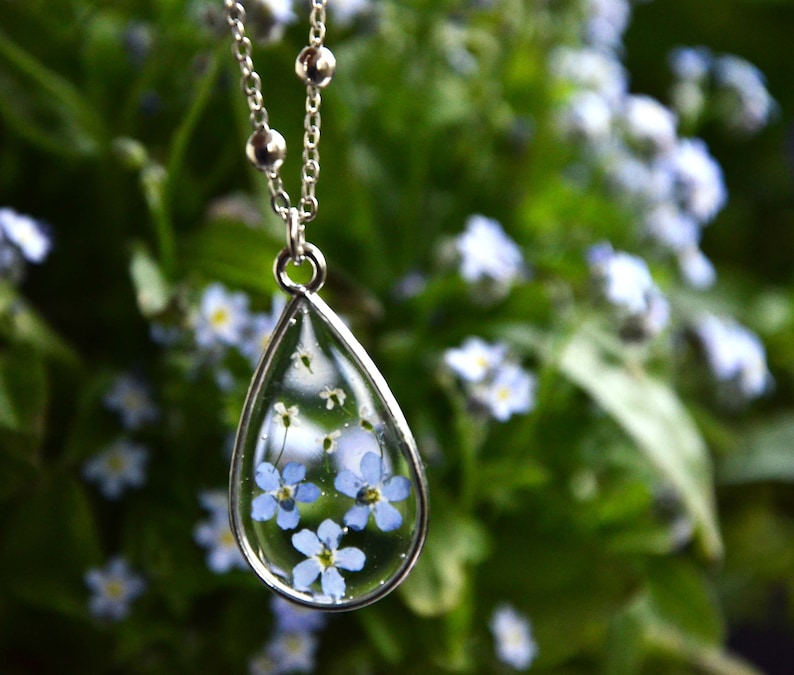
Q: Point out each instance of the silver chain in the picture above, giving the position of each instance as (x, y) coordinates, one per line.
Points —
(242, 49)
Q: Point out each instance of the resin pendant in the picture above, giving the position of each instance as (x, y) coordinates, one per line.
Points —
(328, 497)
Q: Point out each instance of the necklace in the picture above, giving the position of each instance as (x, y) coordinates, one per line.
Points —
(327, 494)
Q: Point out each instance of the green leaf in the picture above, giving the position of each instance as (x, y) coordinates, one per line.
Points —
(653, 416)
(437, 583)
(767, 454)
(23, 391)
(152, 291)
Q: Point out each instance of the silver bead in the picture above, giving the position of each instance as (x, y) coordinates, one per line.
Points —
(266, 150)
(315, 66)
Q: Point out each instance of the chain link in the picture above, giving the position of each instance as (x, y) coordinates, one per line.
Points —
(252, 88)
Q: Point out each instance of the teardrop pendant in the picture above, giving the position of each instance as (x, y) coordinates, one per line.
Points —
(328, 497)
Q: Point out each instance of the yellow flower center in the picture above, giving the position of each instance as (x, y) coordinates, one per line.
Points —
(220, 317)
(114, 589)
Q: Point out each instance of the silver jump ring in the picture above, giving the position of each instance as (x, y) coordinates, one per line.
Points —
(319, 270)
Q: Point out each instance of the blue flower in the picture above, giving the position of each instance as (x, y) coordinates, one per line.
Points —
(131, 399)
(114, 587)
(281, 494)
(26, 234)
(373, 494)
(215, 534)
(292, 618)
(512, 633)
(120, 466)
(325, 559)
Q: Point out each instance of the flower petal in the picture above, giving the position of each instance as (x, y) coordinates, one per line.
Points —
(372, 469)
(396, 488)
(329, 534)
(293, 473)
(304, 574)
(288, 518)
(350, 558)
(357, 517)
(333, 583)
(307, 493)
(267, 477)
(307, 543)
(387, 517)
(348, 483)
(263, 507)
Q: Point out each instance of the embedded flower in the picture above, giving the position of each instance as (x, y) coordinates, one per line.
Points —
(333, 397)
(131, 399)
(512, 633)
(330, 441)
(511, 391)
(373, 494)
(325, 559)
(366, 419)
(215, 534)
(222, 317)
(486, 252)
(303, 357)
(475, 359)
(292, 618)
(286, 417)
(282, 492)
(26, 234)
(120, 466)
(735, 354)
(113, 588)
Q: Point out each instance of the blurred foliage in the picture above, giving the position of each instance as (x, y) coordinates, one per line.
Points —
(131, 154)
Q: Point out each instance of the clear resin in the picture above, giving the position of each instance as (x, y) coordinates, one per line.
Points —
(328, 496)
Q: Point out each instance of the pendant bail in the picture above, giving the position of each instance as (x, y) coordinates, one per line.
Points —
(296, 236)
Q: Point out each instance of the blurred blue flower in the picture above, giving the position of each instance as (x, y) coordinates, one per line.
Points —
(287, 652)
(120, 466)
(648, 125)
(743, 99)
(222, 317)
(510, 391)
(282, 492)
(256, 334)
(605, 22)
(131, 399)
(699, 183)
(292, 618)
(344, 11)
(25, 233)
(215, 534)
(515, 645)
(486, 252)
(475, 359)
(325, 559)
(113, 588)
(373, 494)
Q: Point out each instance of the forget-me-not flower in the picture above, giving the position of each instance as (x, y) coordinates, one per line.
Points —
(113, 588)
(292, 618)
(487, 253)
(373, 493)
(510, 391)
(222, 317)
(512, 633)
(26, 234)
(475, 358)
(215, 534)
(700, 185)
(325, 559)
(282, 493)
(131, 399)
(120, 466)
(649, 124)
(287, 652)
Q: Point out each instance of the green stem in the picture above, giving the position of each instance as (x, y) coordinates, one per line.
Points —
(283, 446)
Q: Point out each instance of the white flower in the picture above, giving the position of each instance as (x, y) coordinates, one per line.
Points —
(511, 391)
(699, 180)
(118, 467)
(330, 441)
(113, 588)
(512, 633)
(130, 398)
(734, 354)
(302, 357)
(286, 417)
(475, 359)
(333, 397)
(486, 252)
(26, 234)
(222, 317)
(746, 101)
(587, 114)
(216, 536)
(649, 123)
(344, 11)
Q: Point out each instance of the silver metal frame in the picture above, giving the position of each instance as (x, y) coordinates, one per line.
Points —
(365, 363)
